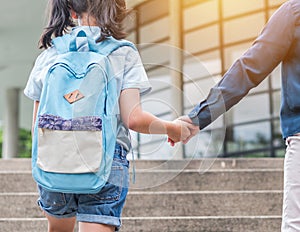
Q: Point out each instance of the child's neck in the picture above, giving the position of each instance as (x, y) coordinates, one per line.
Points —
(87, 20)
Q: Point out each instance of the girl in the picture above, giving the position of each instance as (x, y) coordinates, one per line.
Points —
(99, 19)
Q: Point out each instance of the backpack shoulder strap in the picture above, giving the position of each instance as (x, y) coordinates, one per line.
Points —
(106, 47)
(111, 44)
(62, 43)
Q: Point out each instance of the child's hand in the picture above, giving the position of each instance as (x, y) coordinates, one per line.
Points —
(172, 143)
(180, 132)
(193, 129)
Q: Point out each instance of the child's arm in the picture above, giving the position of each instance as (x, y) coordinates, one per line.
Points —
(138, 120)
(35, 109)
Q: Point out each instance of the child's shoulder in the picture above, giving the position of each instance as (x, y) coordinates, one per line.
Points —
(46, 57)
(127, 49)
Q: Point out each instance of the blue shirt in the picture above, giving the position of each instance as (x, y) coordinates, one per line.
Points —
(278, 42)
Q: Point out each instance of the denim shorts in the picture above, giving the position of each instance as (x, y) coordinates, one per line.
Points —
(104, 207)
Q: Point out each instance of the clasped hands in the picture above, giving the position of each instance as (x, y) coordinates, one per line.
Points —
(188, 130)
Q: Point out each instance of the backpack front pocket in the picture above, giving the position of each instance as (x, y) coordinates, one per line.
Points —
(69, 151)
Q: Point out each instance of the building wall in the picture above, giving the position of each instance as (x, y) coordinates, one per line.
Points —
(215, 33)
(20, 26)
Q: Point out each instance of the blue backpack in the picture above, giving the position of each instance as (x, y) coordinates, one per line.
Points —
(75, 131)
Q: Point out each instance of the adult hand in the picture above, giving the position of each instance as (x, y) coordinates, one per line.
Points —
(193, 128)
(186, 123)
(180, 132)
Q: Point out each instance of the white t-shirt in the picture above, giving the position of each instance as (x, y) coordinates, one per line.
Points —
(126, 64)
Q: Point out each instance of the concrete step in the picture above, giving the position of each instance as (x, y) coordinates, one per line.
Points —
(160, 204)
(203, 165)
(211, 195)
(215, 203)
(203, 224)
(196, 164)
(212, 180)
(168, 224)
(17, 164)
(187, 180)
(23, 224)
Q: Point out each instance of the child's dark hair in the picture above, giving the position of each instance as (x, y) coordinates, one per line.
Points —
(109, 15)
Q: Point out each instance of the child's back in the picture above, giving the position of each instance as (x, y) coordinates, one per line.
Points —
(99, 211)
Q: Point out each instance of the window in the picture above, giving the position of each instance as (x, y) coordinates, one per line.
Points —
(215, 33)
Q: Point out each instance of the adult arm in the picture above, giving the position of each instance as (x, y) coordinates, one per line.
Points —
(268, 50)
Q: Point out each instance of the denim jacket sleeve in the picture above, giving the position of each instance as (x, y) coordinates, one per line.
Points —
(267, 51)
